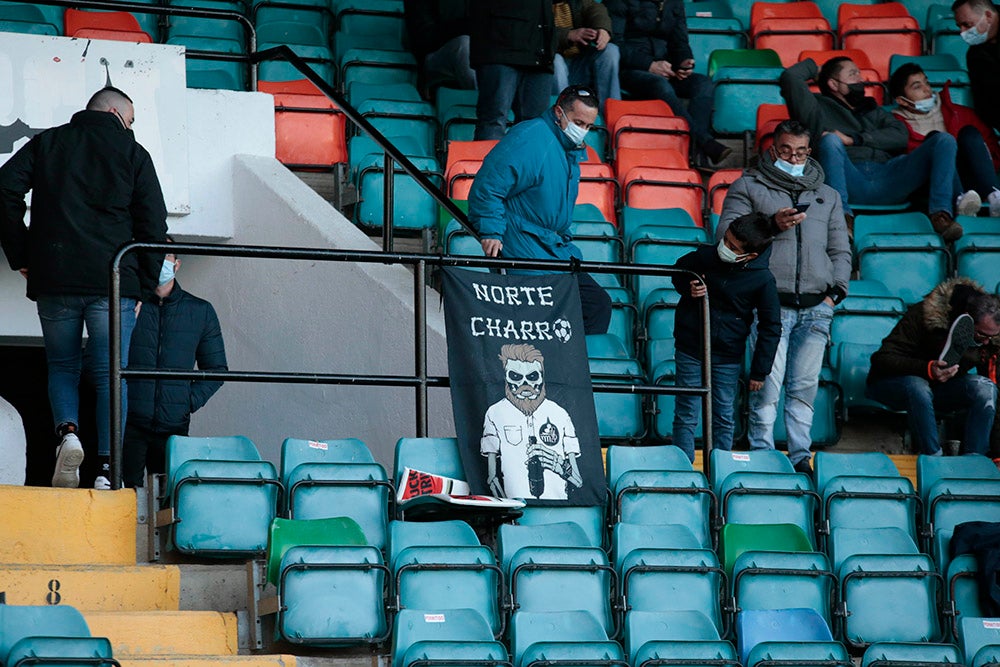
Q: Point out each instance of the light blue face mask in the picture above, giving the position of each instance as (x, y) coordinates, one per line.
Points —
(728, 255)
(167, 272)
(973, 37)
(795, 170)
(925, 106)
(574, 132)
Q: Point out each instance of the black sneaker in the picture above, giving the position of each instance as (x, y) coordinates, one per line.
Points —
(804, 466)
(960, 338)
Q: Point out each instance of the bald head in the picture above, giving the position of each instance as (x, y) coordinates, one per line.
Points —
(113, 101)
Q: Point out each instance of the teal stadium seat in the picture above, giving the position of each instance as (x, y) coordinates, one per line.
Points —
(441, 565)
(771, 580)
(325, 478)
(774, 628)
(28, 19)
(434, 455)
(711, 26)
(797, 653)
(675, 638)
(414, 209)
(219, 74)
(590, 518)
(193, 26)
(910, 265)
(744, 79)
(900, 654)
(963, 600)
(50, 635)
(980, 638)
(444, 636)
(619, 415)
(942, 33)
(977, 256)
(569, 637)
(456, 113)
(222, 494)
(550, 568)
(629, 537)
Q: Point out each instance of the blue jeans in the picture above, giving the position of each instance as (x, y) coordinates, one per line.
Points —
(63, 319)
(975, 166)
(502, 88)
(592, 68)
(892, 182)
(697, 88)
(920, 398)
(687, 409)
(805, 334)
(450, 64)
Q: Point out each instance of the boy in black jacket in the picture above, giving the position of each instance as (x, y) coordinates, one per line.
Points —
(174, 331)
(735, 273)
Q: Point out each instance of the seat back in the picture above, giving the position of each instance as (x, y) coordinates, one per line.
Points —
(789, 653)
(735, 539)
(976, 634)
(440, 625)
(650, 497)
(590, 518)
(674, 580)
(725, 463)
(623, 459)
(829, 465)
(769, 579)
(287, 533)
(754, 626)
(933, 469)
(574, 636)
(20, 621)
(181, 449)
(909, 653)
(435, 455)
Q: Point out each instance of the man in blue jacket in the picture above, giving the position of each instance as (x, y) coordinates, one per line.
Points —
(522, 200)
(174, 331)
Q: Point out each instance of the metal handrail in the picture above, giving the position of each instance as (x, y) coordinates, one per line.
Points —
(420, 380)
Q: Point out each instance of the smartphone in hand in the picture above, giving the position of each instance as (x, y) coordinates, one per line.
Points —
(802, 207)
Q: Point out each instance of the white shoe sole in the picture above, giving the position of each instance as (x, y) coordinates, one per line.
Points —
(68, 460)
(969, 203)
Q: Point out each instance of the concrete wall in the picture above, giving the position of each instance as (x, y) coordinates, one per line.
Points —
(12, 445)
(311, 317)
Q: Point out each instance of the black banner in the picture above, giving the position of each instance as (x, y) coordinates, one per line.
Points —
(520, 387)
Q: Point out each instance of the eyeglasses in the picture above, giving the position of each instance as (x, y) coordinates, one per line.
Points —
(800, 154)
(980, 337)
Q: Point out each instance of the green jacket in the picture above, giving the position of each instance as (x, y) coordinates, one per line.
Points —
(586, 14)
(878, 135)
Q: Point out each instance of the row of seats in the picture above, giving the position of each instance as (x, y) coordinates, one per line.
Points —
(50, 635)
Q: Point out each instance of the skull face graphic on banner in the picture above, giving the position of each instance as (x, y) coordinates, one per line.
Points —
(520, 385)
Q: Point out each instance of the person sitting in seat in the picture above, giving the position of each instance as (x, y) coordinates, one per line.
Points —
(861, 146)
(923, 364)
(926, 112)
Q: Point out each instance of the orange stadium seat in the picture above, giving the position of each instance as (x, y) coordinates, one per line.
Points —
(718, 187)
(658, 187)
(880, 30)
(768, 117)
(871, 77)
(116, 26)
(647, 157)
(309, 129)
(464, 159)
(789, 28)
(646, 124)
(599, 187)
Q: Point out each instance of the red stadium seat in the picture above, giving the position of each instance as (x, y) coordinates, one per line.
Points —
(880, 30)
(657, 187)
(309, 129)
(464, 159)
(646, 124)
(599, 187)
(768, 117)
(718, 186)
(628, 158)
(115, 26)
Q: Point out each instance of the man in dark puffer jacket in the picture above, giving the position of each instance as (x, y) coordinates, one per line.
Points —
(174, 330)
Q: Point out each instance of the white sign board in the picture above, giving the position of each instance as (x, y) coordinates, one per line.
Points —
(51, 78)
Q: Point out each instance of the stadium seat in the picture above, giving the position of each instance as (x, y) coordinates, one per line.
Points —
(590, 518)
(881, 30)
(569, 637)
(718, 186)
(889, 598)
(659, 247)
(789, 28)
(910, 265)
(333, 478)
(550, 568)
(29, 19)
(403, 118)
(331, 585)
(199, 26)
(661, 308)
(768, 118)
(736, 539)
(619, 415)
(444, 636)
(222, 494)
(942, 33)
(743, 81)
(50, 635)
(629, 537)
(980, 639)
(976, 257)
(675, 638)
(413, 208)
(934, 473)
(229, 74)
(456, 113)
(439, 456)
(463, 161)
(963, 598)
(309, 129)
(635, 218)
(779, 626)
(773, 580)
(117, 26)
(647, 124)
(899, 654)
(441, 565)
(954, 501)
(846, 542)
(795, 653)
(599, 188)
(379, 18)
(712, 27)
(598, 241)
(653, 497)
(761, 487)
(628, 157)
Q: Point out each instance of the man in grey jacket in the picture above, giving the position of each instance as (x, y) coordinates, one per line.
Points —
(862, 147)
(811, 262)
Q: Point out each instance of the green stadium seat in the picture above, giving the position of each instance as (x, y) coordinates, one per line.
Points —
(736, 539)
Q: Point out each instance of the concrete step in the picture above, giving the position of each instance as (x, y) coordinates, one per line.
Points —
(94, 587)
(212, 661)
(147, 634)
(44, 526)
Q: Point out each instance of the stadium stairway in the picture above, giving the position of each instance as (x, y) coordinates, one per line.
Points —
(78, 547)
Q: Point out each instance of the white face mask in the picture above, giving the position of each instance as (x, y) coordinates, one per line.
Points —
(728, 255)
(925, 106)
(789, 168)
(574, 132)
(973, 37)
(167, 272)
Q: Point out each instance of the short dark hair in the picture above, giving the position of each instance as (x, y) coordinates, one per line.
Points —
(792, 127)
(981, 5)
(899, 78)
(754, 231)
(569, 96)
(830, 69)
(105, 98)
(981, 306)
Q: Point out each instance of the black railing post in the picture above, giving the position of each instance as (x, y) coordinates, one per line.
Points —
(388, 167)
(420, 344)
(706, 382)
(115, 387)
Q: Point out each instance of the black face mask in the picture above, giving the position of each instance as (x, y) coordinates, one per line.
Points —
(855, 94)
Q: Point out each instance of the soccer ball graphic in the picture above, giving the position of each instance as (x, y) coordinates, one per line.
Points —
(563, 330)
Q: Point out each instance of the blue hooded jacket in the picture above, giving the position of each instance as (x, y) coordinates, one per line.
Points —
(525, 191)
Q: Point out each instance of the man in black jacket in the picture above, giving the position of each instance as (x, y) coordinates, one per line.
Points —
(923, 364)
(439, 38)
(512, 44)
(93, 189)
(174, 331)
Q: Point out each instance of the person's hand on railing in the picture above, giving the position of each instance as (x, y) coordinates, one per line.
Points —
(492, 247)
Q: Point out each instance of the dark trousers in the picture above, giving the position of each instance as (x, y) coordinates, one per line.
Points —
(596, 305)
(145, 451)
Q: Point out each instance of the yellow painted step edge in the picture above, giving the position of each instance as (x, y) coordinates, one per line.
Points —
(166, 633)
(94, 588)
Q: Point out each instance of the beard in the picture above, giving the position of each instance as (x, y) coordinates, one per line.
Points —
(526, 405)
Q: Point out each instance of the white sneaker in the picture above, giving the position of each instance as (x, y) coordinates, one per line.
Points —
(994, 200)
(69, 456)
(102, 483)
(968, 203)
